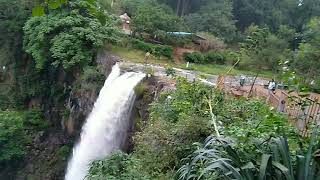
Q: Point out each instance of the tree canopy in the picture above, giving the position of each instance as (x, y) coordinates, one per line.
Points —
(66, 39)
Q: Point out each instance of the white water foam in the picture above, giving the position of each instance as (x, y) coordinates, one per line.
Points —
(105, 129)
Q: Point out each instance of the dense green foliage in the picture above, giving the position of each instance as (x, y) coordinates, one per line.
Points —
(308, 61)
(194, 57)
(180, 118)
(12, 136)
(14, 13)
(215, 17)
(65, 39)
(151, 18)
(15, 130)
(267, 32)
(47, 54)
(210, 57)
(263, 50)
(218, 159)
(157, 50)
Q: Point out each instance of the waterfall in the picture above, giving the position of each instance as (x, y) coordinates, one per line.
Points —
(105, 129)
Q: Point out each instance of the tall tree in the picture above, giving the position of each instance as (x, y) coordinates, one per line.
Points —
(150, 18)
(215, 17)
(273, 13)
(184, 7)
(308, 58)
(263, 50)
(13, 15)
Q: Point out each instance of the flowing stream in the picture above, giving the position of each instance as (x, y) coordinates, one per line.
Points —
(105, 129)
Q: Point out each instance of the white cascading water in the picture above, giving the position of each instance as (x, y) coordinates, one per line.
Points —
(105, 130)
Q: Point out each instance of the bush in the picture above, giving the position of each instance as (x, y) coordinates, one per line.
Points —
(64, 152)
(215, 57)
(34, 119)
(119, 166)
(157, 50)
(12, 136)
(70, 39)
(15, 129)
(194, 57)
(182, 117)
(137, 44)
(211, 42)
(170, 71)
(165, 51)
(174, 40)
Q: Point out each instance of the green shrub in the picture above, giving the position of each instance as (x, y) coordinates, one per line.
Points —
(119, 166)
(4, 101)
(138, 44)
(70, 38)
(215, 57)
(182, 117)
(12, 136)
(16, 128)
(34, 119)
(195, 57)
(162, 50)
(211, 42)
(157, 50)
(170, 71)
(64, 152)
(173, 40)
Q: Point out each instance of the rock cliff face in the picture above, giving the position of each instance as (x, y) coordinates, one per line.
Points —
(80, 104)
(51, 148)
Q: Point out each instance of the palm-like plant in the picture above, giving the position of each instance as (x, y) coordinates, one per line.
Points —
(217, 159)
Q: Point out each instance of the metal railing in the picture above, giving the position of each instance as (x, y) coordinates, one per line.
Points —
(303, 112)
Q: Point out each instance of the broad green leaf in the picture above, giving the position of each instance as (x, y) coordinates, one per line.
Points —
(284, 170)
(300, 167)
(310, 149)
(265, 161)
(285, 154)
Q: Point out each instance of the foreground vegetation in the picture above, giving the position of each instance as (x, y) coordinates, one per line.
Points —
(48, 53)
(16, 130)
(181, 142)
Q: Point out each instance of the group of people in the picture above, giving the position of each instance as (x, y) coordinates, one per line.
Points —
(271, 90)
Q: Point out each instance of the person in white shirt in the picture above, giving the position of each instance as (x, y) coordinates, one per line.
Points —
(271, 89)
(272, 86)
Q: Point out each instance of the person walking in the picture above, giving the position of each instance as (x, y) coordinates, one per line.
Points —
(271, 89)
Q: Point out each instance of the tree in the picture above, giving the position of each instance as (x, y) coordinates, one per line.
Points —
(185, 7)
(131, 6)
(13, 15)
(214, 17)
(65, 39)
(151, 18)
(307, 61)
(263, 50)
(274, 13)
